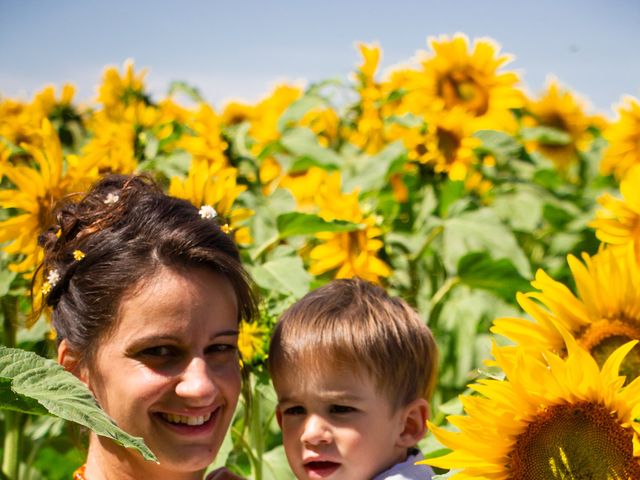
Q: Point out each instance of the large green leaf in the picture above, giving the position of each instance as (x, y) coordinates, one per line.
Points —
(297, 110)
(499, 144)
(36, 379)
(275, 466)
(371, 172)
(296, 223)
(285, 274)
(479, 270)
(303, 143)
(481, 230)
(546, 135)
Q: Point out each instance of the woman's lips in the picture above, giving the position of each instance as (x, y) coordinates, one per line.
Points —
(189, 424)
(320, 468)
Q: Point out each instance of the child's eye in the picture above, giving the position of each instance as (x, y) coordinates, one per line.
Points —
(296, 410)
(341, 409)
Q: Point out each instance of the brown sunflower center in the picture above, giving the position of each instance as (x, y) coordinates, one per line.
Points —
(461, 89)
(581, 441)
(603, 337)
(448, 144)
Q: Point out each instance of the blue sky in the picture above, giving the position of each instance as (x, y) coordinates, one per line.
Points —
(240, 49)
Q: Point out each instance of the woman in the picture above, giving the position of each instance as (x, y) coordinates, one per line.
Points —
(147, 296)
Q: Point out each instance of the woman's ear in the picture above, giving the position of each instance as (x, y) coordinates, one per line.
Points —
(414, 426)
(70, 361)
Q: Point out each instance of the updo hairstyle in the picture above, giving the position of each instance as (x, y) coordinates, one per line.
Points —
(119, 233)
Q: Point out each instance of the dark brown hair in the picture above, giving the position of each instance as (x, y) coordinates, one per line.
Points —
(124, 241)
(353, 325)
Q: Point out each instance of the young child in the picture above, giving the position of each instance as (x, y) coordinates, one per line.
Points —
(353, 369)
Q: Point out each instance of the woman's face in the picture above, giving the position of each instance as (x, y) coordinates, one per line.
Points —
(169, 372)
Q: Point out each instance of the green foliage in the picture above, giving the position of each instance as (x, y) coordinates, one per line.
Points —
(35, 385)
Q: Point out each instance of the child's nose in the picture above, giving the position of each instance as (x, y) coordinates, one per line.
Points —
(316, 431)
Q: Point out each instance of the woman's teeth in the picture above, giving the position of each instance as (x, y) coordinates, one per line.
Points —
(183, 419)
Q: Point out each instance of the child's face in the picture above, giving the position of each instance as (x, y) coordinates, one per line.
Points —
(336, 425)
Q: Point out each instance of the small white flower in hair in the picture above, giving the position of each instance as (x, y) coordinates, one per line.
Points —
(53, 277)
(208, 212)
(111, 198)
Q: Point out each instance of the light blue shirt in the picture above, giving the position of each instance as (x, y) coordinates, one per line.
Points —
(407, 470)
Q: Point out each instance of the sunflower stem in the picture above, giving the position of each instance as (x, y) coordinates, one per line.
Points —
(443, 290)
(12, 420)
(255, 431)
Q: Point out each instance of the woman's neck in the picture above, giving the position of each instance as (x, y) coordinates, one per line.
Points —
(109, 461)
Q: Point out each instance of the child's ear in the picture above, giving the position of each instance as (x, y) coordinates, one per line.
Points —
(414, 426)
(70, 361)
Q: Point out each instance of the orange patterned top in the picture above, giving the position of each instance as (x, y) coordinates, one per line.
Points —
(79, 473)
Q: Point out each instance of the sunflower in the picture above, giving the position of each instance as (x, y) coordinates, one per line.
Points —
(351, 254)
(115, 145)
(264, 121)
(18, 124)
(369, 126)
(562, 110)
(446, 143)
(306, 185)
(557, 418)
(46, 105)
(215, 189)
(252, 341)
(624, 140)
(618, 222)
(34, 192)
(604, 315)
(119, 92)
(452, 76)
(207, 142)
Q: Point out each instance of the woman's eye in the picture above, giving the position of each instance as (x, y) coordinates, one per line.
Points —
(296, 410)
(160, 351)
(341, 409)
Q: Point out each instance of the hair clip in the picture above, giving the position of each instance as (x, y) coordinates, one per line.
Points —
(53, 277)
(208, 212)
(111, 198)
(78, 255)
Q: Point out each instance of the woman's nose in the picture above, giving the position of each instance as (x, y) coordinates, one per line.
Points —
(316, 431)
(196, 382)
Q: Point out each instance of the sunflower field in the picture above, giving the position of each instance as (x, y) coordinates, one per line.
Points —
(511, 222)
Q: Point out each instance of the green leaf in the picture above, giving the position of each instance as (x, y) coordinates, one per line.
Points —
(34, 378)
(499, 144)
(451, 191)
(295, 223)
(372, 172)
(190, 91)
(275, 465)
(174, 165)
(481, 230)
(10, 400)
(285, 274)
(479, 270)
(521, 209)
(6, 277)
(545, 135)
(298, 109)
(303, 143)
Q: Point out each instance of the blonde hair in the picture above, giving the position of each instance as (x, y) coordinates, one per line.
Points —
(356, 326)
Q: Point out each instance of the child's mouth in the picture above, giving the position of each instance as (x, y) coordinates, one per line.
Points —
(320, 469)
